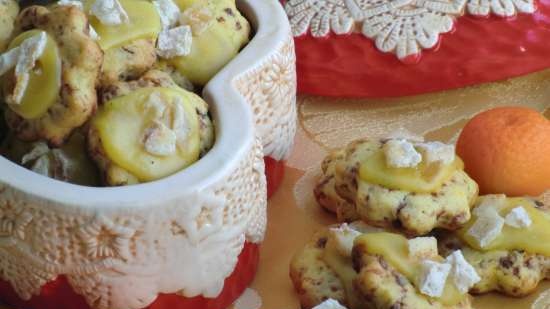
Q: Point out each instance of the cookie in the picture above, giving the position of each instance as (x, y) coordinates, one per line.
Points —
(114, 174)
(331, 266)
(313, 279)
(81, 60)
(8, 12)
(383, 287)
(128, 61)
(511, 272)
(342, 191)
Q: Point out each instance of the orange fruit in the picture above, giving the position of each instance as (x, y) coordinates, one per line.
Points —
(507, 150)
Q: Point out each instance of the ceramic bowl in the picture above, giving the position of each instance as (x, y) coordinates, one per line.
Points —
(187, 241)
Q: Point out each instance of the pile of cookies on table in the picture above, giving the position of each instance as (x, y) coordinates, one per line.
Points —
(107, 92)
(415, 231)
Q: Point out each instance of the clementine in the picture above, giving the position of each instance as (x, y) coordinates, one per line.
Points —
(507, 150)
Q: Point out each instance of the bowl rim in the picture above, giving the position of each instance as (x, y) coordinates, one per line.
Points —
(235, 134)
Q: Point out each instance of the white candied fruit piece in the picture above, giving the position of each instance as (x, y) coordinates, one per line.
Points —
(490, 205)
(109, 12)
(400, 153)
(168, 11)
(421, 248)
(198, 18)
(463, 274)
(38, 150)
(175, 42)
(159, 140)
(30, 50)
(437, 152)
(329, 304)
(433, 276)
(518, 218)
(343, 237)
(156, 105)
(76, 3)
(486, 228)
(62, 164)
(41, 166)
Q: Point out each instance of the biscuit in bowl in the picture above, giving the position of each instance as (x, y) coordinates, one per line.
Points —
(68, 163)
(129, 61)
(51, 99)
(8, 12)
(173, 131)
(219, 32)
(127, 34)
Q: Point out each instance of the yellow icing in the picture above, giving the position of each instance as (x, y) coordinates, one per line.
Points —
(394, 249)
(45, 79)
(184, 4)
(122, 122)
(144, 23)
(533, 239)
(424, 178)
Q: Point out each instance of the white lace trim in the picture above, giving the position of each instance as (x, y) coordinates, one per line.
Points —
(403, 27)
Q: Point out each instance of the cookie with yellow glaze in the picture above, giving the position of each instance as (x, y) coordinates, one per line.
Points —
(158, 78)
(334, 265)
(133, 163)
(129, 46)
(8, 12)
(383, 287)
(313, 279)
(511, 271)
(61, 93)
(129, 61)
(219, 32)
(69, 163)
(396, 200)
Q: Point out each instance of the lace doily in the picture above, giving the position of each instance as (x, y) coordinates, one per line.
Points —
(402, 27)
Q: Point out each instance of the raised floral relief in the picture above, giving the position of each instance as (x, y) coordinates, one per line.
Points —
(402, 27)
(270, 89)
(104, 239)
(13, 221)
(203, 218)
(257, 221)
